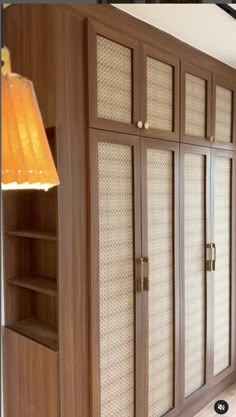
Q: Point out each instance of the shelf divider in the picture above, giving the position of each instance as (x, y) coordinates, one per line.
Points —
(36, 330)
(33, 234)
(39, 283)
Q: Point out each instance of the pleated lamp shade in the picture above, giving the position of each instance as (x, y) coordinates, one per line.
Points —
(27, 162)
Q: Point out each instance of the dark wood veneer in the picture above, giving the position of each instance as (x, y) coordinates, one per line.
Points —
(58, 34)
(30, 377)
(37, 330)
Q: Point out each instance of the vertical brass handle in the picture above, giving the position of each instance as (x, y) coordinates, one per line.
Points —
(139, 281)
(210, 259)
(214, 257)
(146, 277)
(209, 266)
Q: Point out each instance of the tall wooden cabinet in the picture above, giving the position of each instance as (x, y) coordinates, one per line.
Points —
(120, 283)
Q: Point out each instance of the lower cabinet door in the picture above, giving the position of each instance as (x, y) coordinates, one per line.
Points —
(116, 312)
(31, 378)
(160, 243)
(195, 289)
(223, 235)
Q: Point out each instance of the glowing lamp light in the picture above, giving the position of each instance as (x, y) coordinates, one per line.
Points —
(27, 161)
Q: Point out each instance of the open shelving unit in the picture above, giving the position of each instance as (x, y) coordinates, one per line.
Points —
(30, 261)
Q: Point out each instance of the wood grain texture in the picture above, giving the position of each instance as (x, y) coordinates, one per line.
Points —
(30, 23)
(37, 330)
(132, 26)
(38, 283)
(33, 234)
(72, 216)
(31, 368)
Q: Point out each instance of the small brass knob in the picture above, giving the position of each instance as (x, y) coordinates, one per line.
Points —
(146, 125)
(140, 124)
(211, 138)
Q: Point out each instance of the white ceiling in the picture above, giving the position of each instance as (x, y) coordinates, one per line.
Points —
(204, 26)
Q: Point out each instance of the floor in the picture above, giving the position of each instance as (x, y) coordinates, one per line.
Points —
(228, 395)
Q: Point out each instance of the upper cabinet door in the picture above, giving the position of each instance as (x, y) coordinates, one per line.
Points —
(114, 81)
(160, 94)
(223, 114)
(195, 105)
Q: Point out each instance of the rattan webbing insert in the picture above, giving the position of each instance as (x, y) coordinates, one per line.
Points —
(194, 264)
(116, 278)
(161, 307)
(195, 106)
(223, 130)
(222, 208)
(114, 81)
(159, 94)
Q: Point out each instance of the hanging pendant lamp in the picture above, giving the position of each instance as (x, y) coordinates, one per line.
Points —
(27, 162)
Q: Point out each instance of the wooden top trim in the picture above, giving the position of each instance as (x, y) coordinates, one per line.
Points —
(125, 23)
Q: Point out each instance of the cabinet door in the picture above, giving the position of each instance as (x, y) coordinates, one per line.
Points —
(223, 235)
(116, 309)
(195, 105)
(224, 114)
(195, 281)
(31, 378)
(114, 84)
(160, 94)
(160, 243)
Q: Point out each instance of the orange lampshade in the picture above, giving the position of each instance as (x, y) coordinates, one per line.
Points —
(27, 162)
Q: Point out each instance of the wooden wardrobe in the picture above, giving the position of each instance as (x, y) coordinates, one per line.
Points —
(120, 283)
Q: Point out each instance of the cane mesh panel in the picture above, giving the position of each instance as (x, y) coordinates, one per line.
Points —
(222, 274)
(194, 263)
(160, 251)
(223, 114)
(159, 94)
(116, 280)
(114, 81)
(195, 106)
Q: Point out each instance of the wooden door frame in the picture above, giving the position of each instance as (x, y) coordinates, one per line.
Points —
(166, 58)
(174, 148)
(95, 28)
(230, 155)
(96, 136)
(206, 75)
(195, 396)
(222, 82)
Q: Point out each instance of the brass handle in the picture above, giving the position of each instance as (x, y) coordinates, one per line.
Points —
(139, 282)
(210, 259)
(140, 124)
(214, 258)
(146, 125)
(146, 277)
(211, 138)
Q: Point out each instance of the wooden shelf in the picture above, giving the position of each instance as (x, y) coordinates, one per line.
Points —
(39, 283)
(38, 331)
(33, 234)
